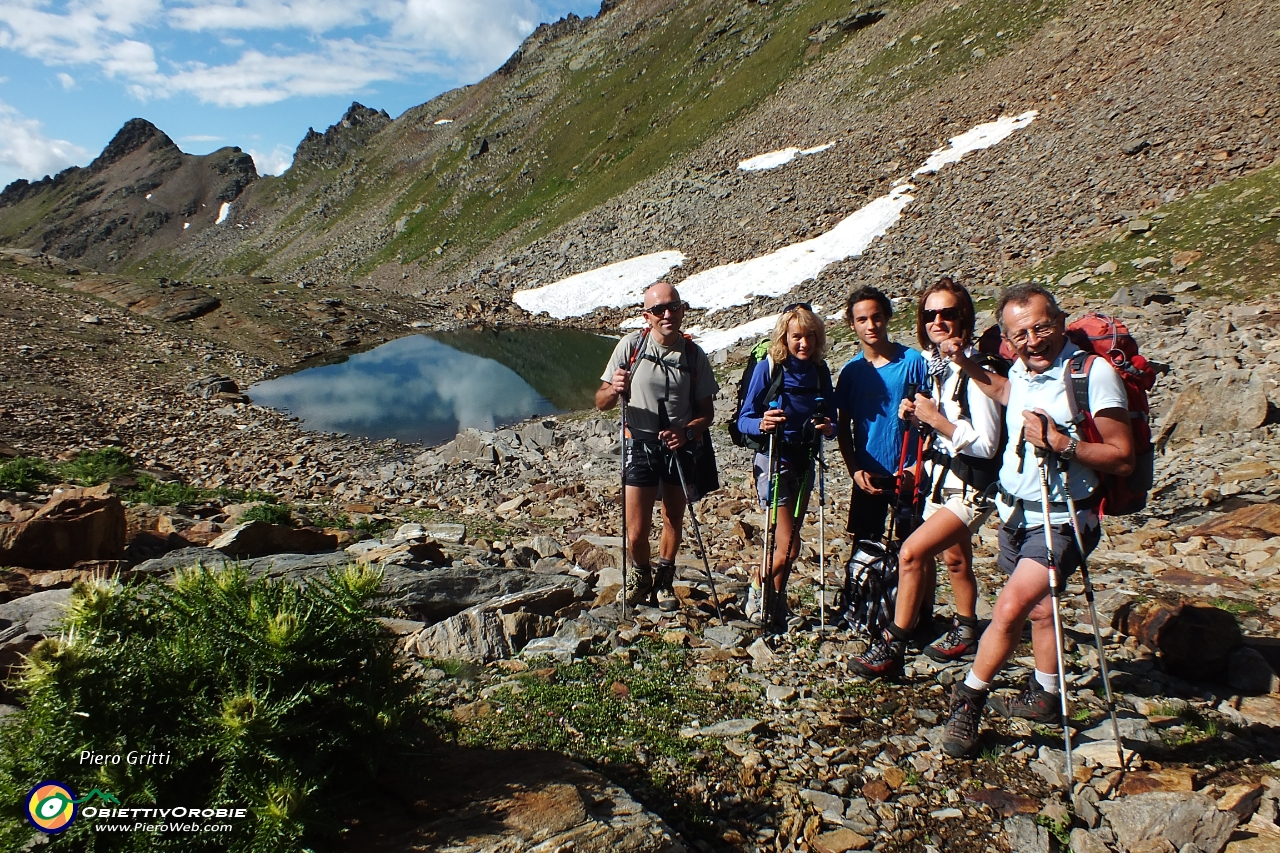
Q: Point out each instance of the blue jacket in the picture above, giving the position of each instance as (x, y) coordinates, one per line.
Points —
(806, 393)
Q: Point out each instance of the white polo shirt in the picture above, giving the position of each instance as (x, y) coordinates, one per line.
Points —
(1048, 391)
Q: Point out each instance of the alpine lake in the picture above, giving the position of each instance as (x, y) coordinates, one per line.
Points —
(428, 388)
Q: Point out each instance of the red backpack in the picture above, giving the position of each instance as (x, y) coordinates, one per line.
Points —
(1100, 336)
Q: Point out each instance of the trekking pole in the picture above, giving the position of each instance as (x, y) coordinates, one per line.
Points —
(770, 522)
(1042, 456)
(1093, 614)
(822, 539)
(796, 517)
(697, 531)
(623, 445)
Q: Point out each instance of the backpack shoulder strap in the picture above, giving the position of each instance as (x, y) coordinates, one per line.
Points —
(637, 348)
(1076, 376)
(775, 380)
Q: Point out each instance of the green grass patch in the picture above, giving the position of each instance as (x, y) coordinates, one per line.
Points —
(25, 474)
(953, 41)
(1232, 605)
(97, 466)
(278, 698)
(585, 712)
(1235, 226)
(269, 513)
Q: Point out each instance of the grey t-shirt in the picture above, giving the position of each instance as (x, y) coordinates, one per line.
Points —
(661, 373)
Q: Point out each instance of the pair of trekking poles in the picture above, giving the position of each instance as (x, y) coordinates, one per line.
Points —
(1044, 458)
(689, 501)
(767, 591)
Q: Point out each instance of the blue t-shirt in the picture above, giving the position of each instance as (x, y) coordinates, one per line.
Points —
(869, 396)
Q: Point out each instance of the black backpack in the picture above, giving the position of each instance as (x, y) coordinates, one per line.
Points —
(759, 353)
(870, 588)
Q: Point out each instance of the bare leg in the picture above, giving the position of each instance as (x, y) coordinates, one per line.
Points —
(964, 586)
(784, 557)
(673, 505)
(1026, 593)
(943, 531)
(640, 521)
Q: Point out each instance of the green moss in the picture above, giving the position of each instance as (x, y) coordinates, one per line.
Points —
(1235, 226)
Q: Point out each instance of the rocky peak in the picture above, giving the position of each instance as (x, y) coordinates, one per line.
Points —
(136, 133)
(330, 149)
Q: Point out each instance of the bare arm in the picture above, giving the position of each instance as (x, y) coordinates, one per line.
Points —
(608, 393)
(706, 413)
(1112, 455)
(993, 385)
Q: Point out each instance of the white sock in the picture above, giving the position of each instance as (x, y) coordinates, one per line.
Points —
(974, 683)
(1048, 680)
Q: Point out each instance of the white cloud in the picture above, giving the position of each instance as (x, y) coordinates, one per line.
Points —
(201, 137)
(25, 152)
(68, 82)
(351, 44)
(275, 162)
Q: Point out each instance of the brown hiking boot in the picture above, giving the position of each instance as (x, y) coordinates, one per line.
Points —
(639, 585)
(960, 737)
(1033, 703)
(959, 641)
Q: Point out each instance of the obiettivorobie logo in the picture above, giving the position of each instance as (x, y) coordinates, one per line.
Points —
(52, 806)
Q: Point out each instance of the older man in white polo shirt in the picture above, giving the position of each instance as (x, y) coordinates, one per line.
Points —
(1037, 404)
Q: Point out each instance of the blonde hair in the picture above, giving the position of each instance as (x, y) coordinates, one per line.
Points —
(808, 322)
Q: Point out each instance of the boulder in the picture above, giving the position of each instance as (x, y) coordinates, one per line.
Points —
(499, 628)
(1260, 521)
(1025, 836)
(1180, 818)
(401, 551)
(1248, 671)
(258, 538)
(1224, 402)
(75, 525)
(1193, 640)
(537, 435)
(26, 621)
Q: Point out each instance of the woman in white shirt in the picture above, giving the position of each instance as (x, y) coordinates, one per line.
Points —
(961, 467)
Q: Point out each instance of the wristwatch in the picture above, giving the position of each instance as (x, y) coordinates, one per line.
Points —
(1069, 452)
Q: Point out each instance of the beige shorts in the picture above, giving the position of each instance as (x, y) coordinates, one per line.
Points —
(971, 509)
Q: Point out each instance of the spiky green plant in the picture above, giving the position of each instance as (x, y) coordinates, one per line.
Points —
(275, 697)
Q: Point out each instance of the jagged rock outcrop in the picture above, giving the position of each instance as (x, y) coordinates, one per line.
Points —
(334, 147)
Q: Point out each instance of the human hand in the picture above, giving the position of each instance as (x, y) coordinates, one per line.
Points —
(862, 479)
(1040, 431)
(907, 409)
(772, 419)
(674, 439)
(950, 347)
(825, 426)
(621, 381)
(926, 409)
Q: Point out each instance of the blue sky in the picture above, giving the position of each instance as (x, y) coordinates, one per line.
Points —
(250, 73)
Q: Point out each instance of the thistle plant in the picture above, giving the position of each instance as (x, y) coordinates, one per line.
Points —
(276, 697)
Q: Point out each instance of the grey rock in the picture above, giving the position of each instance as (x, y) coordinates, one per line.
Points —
(1084, 841)
(498, 628)
(1024, 836)
(545, 546)
(828, 804)
(734, 728)
(559, 649)
(1133, 729)
(257, 538)
(1181, 818)
(38, 613)
(780, 693)
(537, 435)
(452, 533)
(723, 636)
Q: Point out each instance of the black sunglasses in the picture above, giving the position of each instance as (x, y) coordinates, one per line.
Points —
(662, 309)
(951, 315)
(794, 305)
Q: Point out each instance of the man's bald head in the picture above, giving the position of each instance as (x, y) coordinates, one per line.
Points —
(660, 292)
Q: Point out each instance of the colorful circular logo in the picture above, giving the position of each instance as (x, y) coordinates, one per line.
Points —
(51, 806)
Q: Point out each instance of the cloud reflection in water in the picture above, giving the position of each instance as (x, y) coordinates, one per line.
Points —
(411, 389)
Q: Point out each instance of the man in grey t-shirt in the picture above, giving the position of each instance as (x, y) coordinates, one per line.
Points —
(669, 389)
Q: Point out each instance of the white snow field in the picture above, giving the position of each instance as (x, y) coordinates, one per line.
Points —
(222, 212)
(975, 139)
(713, 340)
(613, 286)
(622, 284)
(774, 159)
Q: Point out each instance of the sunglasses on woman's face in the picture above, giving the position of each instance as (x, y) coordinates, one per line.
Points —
(951, 315)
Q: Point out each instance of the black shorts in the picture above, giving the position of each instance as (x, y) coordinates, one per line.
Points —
(1027, 543)
(651, 463)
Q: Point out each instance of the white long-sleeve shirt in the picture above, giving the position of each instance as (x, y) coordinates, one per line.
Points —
(979, 434)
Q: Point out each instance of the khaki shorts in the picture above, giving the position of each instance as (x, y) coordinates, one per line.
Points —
(971, 509)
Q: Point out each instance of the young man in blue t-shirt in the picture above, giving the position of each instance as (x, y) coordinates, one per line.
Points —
(868, 393)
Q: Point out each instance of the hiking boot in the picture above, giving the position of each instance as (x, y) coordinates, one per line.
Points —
(664, 593)
(960, 737)
(959, 641)
(639, 585)
(883, 659)
(1033, 703)
(755, 605)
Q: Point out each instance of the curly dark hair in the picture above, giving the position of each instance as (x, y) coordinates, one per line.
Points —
(862, 294)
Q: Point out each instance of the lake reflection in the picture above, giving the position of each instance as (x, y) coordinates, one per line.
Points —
(420, 389)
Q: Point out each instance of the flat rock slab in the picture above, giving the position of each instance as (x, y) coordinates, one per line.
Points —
(171, 305)
(482, 801)
(1180, 818)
